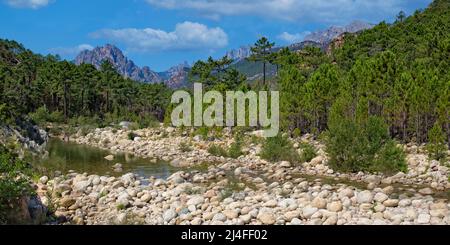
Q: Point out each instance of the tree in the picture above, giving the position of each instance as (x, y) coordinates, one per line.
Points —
(401, 16)
(261, 52)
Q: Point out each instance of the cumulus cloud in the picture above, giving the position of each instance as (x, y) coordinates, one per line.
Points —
(293, 38)
(293, 10)
(34, 4)
(71, 50)
(186, 36)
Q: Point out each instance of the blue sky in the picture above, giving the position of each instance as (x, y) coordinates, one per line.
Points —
(163, 33)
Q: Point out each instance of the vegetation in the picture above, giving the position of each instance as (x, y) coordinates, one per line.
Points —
(14, 183)
(279, 148)
(185, 146)
(308, 152)
(217, 150)
(51, 90)
(437, 149)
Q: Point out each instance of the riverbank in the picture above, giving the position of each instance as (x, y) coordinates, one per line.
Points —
(247, 190)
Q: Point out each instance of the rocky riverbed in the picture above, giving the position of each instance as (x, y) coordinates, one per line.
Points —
(247, 190)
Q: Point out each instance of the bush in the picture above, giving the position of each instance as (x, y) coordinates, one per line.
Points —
(218, 151)
(364, 146)
(308, 152)
(279, 148)
(437, 148)
(40, 116)
(297, 133)
(56, 117)
(14, 183)
(185, 147)
(202, 131)
(235, 149)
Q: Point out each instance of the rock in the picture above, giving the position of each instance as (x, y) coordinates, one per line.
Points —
(169, 215)
(121, 219)
(43, 180)
(289, 216)
(67, 202)
(319, 203)
(81, 186)
(110, 158)
(332, 220)
(423, 219)
(271, 203)
(308, 211)
(410, 214)
(267, 218)
(426, 191)
(219, 217)
(380, 197)
(346, 193)
(146, 198)
(404, 203)
(364, 197)
(285, 164)
(296, 221)
(195, 200)
(230, 214)
(317, 160)
(439, 205)
(390, 203)
(440, 213)
(335, 207)
(170, 130)
(379, 208)
(388, 190)
(245, 218)
(128, 178)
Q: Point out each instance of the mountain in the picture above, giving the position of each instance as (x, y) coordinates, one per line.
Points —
(176, 76)
(124, 66)
(239, 54)
(326, 36)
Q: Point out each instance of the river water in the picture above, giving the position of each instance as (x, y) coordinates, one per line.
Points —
(64, 156)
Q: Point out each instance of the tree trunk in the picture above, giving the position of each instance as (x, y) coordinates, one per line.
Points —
(264, 73)
(66, 106)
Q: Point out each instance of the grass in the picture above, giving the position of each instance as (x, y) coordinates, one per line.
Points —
(217, 150)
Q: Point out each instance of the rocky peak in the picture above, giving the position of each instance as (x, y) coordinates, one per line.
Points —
(239, 54)
(124, 66)
(324, 37)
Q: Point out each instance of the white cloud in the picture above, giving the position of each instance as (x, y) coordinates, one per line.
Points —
(34, 4)
(327, 11)
(293, 38)
(71, 50)
(186, 36)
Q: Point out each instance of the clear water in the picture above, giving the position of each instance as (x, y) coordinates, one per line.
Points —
(64, 156)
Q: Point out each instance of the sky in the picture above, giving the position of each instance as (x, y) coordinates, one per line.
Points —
(164, 33)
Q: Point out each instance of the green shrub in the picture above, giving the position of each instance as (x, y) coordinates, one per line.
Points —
(185, 147)
(297, 133)
(308, 152)
(56, 117)
(279, 148)
(14, 183)
(40, 116)
(362, 146)
(437, 148)
(218, 151)
(235, 149)
(202, 131)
